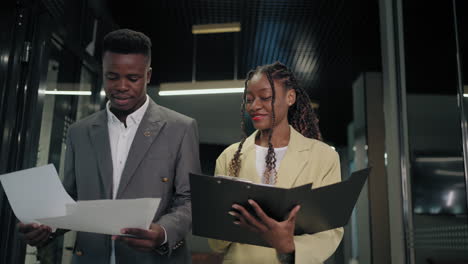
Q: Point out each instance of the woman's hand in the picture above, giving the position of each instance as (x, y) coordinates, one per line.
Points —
(279, 235)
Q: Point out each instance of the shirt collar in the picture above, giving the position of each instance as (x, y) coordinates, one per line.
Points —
(132, 119)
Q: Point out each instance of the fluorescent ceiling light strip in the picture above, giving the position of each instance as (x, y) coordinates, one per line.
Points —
(68, 92)
(202, 91)
(216, 28)
(465, 95)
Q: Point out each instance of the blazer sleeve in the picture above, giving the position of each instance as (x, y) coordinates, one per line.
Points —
(69, 179)
(319, 247)
(220, 246)
(178, 220)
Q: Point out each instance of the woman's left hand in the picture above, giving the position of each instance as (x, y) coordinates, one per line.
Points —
(280, 235)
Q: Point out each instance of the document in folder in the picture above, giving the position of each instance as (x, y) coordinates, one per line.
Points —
(322, 209)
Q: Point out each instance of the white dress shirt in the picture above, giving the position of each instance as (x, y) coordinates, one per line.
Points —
(120, 139)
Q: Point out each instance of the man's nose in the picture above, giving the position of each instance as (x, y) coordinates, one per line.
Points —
(122, 85)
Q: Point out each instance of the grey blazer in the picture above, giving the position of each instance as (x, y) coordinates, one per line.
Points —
(163, 152)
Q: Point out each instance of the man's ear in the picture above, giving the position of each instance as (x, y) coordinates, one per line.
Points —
(148, 75)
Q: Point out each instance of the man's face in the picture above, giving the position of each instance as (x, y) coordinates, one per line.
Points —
(125, 80)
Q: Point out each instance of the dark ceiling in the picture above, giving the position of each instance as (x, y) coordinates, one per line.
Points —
(430, 46)
(325, 42)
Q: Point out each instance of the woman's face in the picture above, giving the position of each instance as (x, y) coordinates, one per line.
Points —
(258, 102)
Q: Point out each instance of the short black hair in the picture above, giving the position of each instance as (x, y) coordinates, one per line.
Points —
(127, 41)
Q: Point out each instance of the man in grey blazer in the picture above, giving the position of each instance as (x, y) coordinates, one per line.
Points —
(132, 149)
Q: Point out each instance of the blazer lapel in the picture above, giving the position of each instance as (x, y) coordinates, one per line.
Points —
(293, 162)
(99, 135)
(148, 130)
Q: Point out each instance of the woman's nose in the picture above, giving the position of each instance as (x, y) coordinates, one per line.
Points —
(256, 104)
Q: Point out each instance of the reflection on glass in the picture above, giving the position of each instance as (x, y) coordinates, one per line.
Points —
(438, 185)
(87, 80)
(358, 234)
(47, 115)
(67, 98)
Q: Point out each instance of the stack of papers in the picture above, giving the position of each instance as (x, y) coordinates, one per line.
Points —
(37, 196)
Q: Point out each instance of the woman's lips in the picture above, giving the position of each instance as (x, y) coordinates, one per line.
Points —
(258, 117)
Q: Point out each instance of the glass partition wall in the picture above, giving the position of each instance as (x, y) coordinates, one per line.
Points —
(66, 98)
(56, 81)
(437, 133)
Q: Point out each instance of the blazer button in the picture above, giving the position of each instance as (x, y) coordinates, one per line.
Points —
(79, 253)
(164, 179)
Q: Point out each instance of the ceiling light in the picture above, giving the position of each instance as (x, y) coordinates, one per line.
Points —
(202, 87)
(68, 92)
(202, 91)
(216, 28)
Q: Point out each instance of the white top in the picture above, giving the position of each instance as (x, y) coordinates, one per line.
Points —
(121, 139)
(260, 155)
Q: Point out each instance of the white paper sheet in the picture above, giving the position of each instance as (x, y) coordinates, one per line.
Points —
(37, 196)
(106, 216)
(36, 193)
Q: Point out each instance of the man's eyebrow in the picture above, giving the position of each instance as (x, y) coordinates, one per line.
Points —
(134, 74)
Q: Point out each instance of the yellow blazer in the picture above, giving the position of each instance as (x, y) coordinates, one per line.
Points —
(306, 160)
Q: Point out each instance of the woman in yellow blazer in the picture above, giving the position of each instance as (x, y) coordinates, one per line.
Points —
(285, 151)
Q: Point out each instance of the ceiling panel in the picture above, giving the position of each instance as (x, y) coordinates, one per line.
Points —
(313, 37)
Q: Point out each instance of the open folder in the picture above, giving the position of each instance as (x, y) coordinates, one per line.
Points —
(322, 208)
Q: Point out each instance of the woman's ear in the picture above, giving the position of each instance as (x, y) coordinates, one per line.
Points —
(291, 97)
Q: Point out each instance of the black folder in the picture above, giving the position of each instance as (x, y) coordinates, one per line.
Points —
(322, 208)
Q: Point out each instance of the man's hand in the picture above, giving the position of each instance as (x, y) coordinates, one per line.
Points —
(145, 240)
(279, 235)
(35, 234)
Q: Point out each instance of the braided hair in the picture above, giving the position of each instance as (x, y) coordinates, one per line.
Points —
(301, 116)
